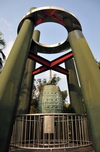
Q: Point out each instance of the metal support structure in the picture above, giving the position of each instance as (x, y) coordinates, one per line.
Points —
(73, 86)
(10, 81)
(89, 75)
(50, 64)
(52, 15)
(26, 87)
(12, 74)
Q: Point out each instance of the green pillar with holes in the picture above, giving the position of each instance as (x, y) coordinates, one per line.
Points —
(10, 81)
(89, 75)
(26, 87)
(74, 90)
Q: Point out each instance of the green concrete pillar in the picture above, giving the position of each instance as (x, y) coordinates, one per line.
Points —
(26, 87)
(89, 75)
(74, 90)
(10, 81)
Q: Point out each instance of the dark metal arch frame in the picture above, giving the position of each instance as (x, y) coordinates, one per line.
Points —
(52, 14)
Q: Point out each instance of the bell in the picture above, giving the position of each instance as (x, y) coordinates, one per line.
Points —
(50, 100)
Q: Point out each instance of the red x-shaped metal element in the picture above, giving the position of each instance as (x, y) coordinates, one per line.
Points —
(46, 65)
(50, 14)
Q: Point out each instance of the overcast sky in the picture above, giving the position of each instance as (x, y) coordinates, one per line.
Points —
(86, 11)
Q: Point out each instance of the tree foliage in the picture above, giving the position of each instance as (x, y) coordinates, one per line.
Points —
(64, 95)
(2, 42)
(2, 45)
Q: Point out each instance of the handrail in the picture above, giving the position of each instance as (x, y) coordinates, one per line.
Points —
(50, 131)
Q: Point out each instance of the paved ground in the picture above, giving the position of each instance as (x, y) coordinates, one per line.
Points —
(84, 149)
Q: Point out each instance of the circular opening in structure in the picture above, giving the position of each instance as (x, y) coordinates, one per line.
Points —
(51, 34)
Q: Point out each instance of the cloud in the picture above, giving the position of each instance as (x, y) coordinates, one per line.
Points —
(5, 23)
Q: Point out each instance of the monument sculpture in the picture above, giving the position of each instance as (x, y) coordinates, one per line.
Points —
(27, 47)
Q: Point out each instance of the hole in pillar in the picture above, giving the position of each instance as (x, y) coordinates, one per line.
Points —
(52, 33)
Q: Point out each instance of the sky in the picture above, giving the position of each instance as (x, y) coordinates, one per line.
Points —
(86, 11)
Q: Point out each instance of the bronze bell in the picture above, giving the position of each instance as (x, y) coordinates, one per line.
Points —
(50, 100)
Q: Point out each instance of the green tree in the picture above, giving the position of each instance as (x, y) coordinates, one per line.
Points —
(54, 80)
(64, 95)
(2, 45)
(67, 108)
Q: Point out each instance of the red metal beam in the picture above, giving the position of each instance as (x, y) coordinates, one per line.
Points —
(40, 70)
(50, 14)
(41, 20)
(55, 68)
(39, 59)
(60, 69)
(58, 20)
(46, 16)
(50, 65)
(61, 59)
